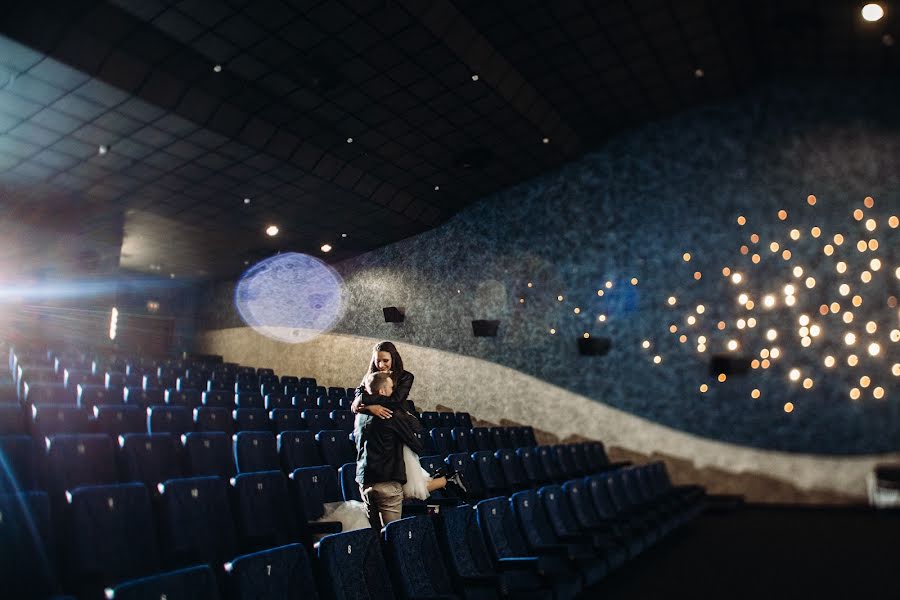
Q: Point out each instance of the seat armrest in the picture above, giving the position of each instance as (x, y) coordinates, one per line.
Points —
(324, 526)
(517, 563)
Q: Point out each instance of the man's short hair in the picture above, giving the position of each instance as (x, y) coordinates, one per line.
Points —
(377, 381)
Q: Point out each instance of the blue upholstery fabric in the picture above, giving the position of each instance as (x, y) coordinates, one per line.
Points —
(114, 379)
(349, 486)
(547, 459)
(48, 393)
(564, 459)
(255, 451)
(249, 400)
(169, 419)
(149, 457)
(221, 398)
(343, 419)
(82, 459)
(213, 418)
(278, 400)
(264, 511)
(531, 466)
(246, 387)
(111, 536)
(208, 453)
(285, 419)
(489, 472)
(117, 420)
(430, 420)
(314, 487)
(273, 574)
(95, 395)
(481, 439)
(500, 437)
(442, 439)
(193, 583)
(298, 449)
(189, 398)
(353, 567)
(289, 389)
(143, 397)
(12, 420)
(52, 419)
(415, 559)
(464, 419)
(336, 447)
(195, 524)
(317, 419)
(462, 441)
(463, 463)
(251, 419)
(511, 467)
(447, 419)
(18, 465)
(27, 568)
(432, 464)
(304, 402)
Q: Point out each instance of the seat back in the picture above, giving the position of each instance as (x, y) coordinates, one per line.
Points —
(335, 447)
(298, 449)
(558, 510)
(249, 400)
(117, 420)
(442, 439)
(343, 419)
(531, 466)
(463, 463)
(502, 534)
(48, 393)
(197, 583)
(282, 572)
(349, 487)
(565, 460)
(263, 510)
(582, 506)
(481, 439)
(143, 397)
(273, 401)
(255, 451)
(415, 559)
(447, 419)
(195, 521)
(89, 395)
(353, 567)
(187, 398)
(79, 459)
(317, 419)
(208, 453)
(430, 420)
(490, 473)
(250, 419)
(221, 398)
(285, 419)
(462, 441)
(52, 419)
(314, 487)
(511, 467)
(213, 418)
(149, 458)
(548, 460)
(169, 419)
(27, 569)
(536, 529)
(501, 438)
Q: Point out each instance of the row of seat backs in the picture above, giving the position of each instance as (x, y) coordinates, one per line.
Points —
(93, 459)
(51, 419)
(444, 440)
(110, 533)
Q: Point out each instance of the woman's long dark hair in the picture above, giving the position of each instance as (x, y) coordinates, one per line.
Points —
(396, 361)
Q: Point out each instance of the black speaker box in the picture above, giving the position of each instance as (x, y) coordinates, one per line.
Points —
(394, 314)
(594, 346)
(729, 364)
(484, 328)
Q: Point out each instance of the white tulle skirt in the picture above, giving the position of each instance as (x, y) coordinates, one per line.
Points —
(417, 478)
(351, 514)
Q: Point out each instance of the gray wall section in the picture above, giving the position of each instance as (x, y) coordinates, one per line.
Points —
(631, 209)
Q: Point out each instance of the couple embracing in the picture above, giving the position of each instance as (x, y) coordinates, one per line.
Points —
(389, 440)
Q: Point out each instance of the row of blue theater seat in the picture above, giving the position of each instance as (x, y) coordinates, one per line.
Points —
(553, 542)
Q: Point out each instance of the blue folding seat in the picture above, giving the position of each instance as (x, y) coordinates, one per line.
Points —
(270, 387)
(307, 382)
(285, 419)
(269, 379)
(447, 419)
(114, 379)
(566, 462)
(142, 397)
(265, 372)
(427, 443)
(566, 527)
(516, 437)
(542, 539)
(196, 582)
(264, 511)
(349, 486)
(303, 402)
(442, 439)
(317, 419)
(213, 418)
(273, 574)
(290, 389)
(72, 378)
(318, 391)
(430, 420)
(579, 457)
(532, 466)
(415, 559)
(27, 569)
(255, 451)
(188, 383)
(469, 563)
(509, 550)
(89, 395)
(195, 521)
(12, 420)
(587, 518)
(489, 473)
(462, 462)
(79, 459)
(500, 438)
(133, 380)
(52, 419)
(188, 398)
(298, 449)
(161, 383)
(116, 420)
(444, 497)
(290, 380)
(246, 387)
(273, 401)
(528, 434)
(335, 447)
(251, 379)
(49, 393)
(18, 464)
(249, 400)
(208, 453)
(353, 567)
(149, 458)
(327, 404)
(336, 392)
(220, 385)
(111, 537)
(343, 419)
(314, 487)
(511, 467)
(251, 419)
(547, 458)
(462, 441)
(169, 419)
(481, 439)
(631, 526)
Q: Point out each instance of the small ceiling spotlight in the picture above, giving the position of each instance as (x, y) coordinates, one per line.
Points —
(102, 150)
(437, 188)
(217, 68)
(546, 140)
(272, 230)
(475, 77)
(246, 200)
(349, 140)
(699, 73)
(343, 235)
(872, 12)
(326, 248)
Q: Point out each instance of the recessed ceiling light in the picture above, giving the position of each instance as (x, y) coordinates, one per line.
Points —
(102, 150)
(349, 140)
(872, 12)
(217, 68)
(246, 200)
(546, 140)
(171, 275)
(343, 235)
(699, 73)
(326, 248)
(474, 77)
(437, 188)
(272, 230)
(246, 262)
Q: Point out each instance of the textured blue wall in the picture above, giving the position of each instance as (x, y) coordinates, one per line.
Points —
(630, 210)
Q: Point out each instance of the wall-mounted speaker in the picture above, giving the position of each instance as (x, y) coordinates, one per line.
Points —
(394, 314)
(594, 346)
(729, 364)
(483, 328)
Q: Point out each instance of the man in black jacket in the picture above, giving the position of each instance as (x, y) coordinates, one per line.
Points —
(380, 469)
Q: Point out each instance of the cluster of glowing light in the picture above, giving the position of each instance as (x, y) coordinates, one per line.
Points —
(577, 310)
(601, 318)
(703, 388)
(768, 301)
(736, 278)
(634, 281)
(794, 374)
(788, 407)
(645, 344)
(755, 393)
(700, 309)
(657, 359)
(850, 338)
(874, 349)
(686, 257)
(771, 335)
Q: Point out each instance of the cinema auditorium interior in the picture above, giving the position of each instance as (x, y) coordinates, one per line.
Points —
(449, 299)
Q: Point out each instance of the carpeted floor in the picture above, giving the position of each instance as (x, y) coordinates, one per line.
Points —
(771, 553)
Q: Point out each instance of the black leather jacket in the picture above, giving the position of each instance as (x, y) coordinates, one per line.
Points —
(399, 397)
(379, 446)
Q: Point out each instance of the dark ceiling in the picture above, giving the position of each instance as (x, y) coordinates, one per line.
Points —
(445, 102)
